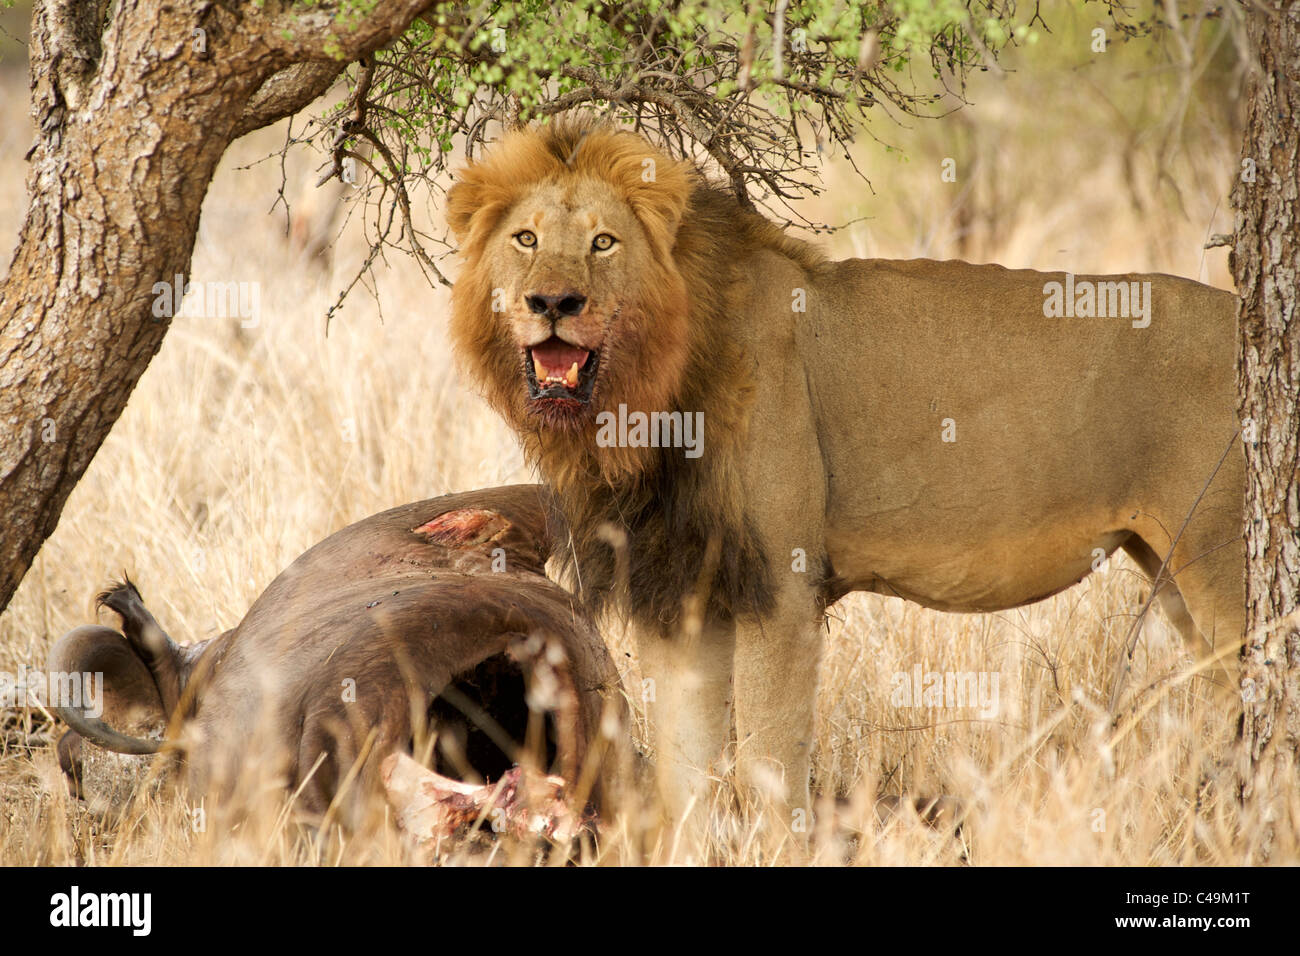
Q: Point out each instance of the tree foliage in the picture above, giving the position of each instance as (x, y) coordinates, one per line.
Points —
(757, 93)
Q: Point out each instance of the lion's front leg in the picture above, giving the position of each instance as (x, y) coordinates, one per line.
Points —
(776, 664)
(687, 689)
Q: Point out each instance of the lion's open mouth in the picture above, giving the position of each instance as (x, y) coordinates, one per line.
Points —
(557, 370)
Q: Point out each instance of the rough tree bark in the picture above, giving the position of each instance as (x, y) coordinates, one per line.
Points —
(133, 113)
(1266, 263)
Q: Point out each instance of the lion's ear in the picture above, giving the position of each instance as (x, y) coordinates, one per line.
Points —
(659, 195)
(463, 200)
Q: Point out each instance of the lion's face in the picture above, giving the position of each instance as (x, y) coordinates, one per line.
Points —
(570, 302)
(568, 258)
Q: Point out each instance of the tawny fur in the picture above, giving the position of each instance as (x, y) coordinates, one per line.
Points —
(825, 466)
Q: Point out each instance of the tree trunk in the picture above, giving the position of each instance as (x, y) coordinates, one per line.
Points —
(132, 117)
(1266, 263)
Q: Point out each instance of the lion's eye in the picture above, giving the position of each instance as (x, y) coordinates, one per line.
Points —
(526, 238)
(603, 243)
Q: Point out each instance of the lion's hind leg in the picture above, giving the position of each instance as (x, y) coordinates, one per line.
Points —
(1168, 596)
(1201, 595)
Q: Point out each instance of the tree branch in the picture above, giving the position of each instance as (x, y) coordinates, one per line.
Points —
(322, 33)
(287, 92)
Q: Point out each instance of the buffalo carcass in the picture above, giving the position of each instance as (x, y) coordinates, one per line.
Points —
(433, 617)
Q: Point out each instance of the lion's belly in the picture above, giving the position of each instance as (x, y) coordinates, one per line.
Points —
(952, 572)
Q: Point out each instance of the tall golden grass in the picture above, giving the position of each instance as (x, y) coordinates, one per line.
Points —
(242, 447)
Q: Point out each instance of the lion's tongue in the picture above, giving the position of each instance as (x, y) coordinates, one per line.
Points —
(556, 361)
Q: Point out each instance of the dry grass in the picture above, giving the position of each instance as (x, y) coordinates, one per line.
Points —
(234, 455)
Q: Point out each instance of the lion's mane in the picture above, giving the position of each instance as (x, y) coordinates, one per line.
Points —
(668, 529)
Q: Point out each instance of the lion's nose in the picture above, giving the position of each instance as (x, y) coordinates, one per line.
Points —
(564, 304)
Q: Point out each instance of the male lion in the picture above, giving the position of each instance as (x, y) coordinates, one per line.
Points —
(968, 437)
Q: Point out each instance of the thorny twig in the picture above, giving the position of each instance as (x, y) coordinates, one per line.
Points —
(705, 93)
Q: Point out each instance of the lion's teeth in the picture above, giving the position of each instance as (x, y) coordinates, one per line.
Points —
(547, 376)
